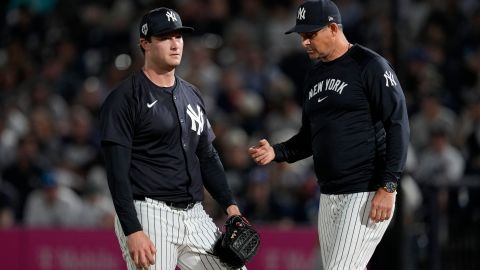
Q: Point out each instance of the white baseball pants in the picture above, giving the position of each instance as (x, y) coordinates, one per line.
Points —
(348, 237)
(181, 237)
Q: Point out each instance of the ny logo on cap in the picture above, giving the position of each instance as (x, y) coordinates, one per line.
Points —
(144, 29)
(171, 16)
(301, 14)
(330, 18)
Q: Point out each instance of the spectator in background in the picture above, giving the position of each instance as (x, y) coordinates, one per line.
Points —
(202, 72)
(17, 68)
(279, 20)
(261, 204)
(432, 113)
(411, 206)
(283, 112)
(7, 212)
(53, 205)
(243, 105)
(80, 148)
(98, 210)
(16, 126)
(440, 165)
(91, 96)
(236, 161)
(295, 183)
(468, 136)
(39, 93)
(7, 142)
(44, 128)
(420, 76)
(24, 172)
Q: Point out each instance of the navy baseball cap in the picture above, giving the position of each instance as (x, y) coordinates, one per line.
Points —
(161, 21)
(314, 14)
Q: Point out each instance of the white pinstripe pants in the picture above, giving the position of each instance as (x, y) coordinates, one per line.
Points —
(348, 237)
(181, 237)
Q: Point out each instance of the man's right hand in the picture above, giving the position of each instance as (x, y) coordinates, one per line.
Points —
(262, 153)
(141, 250)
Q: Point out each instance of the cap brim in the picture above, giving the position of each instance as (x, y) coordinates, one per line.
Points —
(300, 28)
(182, 29)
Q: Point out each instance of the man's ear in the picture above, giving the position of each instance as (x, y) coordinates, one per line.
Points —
(144, 43)
(334, 28)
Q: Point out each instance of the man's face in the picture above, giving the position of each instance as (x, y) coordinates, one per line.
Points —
(165, 50)
(318, 44)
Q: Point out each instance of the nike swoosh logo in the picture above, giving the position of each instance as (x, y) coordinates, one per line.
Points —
(149, 105)
(322, 99)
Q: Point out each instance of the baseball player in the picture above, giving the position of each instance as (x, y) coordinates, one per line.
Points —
(355, 125)
(157, 145)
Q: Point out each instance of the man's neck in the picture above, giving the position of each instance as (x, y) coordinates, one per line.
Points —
(340, 49)
(162, 78)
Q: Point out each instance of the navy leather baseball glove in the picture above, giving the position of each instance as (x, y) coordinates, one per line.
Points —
(238, 244)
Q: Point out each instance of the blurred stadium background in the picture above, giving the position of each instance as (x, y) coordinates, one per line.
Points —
(60, 58)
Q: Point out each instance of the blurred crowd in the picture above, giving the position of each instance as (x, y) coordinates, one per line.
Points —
(60, 59)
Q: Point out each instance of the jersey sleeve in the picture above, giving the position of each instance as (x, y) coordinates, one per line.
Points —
(117, 118)
(117, 164)
(211, 168)
(213, 175)
(210, 134)
(387, 104)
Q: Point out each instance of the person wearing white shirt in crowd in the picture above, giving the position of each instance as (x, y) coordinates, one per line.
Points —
(53, 205)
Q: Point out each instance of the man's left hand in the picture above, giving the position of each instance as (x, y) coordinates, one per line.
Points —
(382, 205)
(233, 210)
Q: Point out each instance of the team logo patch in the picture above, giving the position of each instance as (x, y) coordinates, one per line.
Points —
(197, 118)
(301, 14)
(389, 79)
(145, 29)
